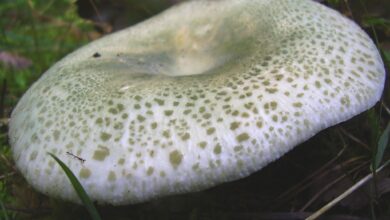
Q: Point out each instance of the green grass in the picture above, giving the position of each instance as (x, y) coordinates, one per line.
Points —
(383, 143)
(86, 201)
(3, 211)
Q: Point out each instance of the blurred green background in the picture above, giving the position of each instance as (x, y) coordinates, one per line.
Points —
(36, 33)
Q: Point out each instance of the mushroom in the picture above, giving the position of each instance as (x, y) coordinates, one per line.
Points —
(204, 93)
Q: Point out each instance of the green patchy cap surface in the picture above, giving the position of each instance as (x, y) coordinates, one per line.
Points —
(206, 92)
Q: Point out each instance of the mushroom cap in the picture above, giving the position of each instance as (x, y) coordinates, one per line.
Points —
(204, 93)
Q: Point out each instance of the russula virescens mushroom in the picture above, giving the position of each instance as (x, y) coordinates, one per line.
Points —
(204, 93)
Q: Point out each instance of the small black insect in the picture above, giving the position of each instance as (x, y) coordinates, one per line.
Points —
(96, 55)
(76, 157)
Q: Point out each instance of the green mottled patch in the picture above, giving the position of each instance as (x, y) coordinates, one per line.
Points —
(234, 125)
(120, 107)
(150, 171)
(168, 112)
(153, 125)
(206, 115)
(318, 84)
(210, 131)
(345, 101)
(113, 111)
(259, 124)
(195, 167)
(245, 115)
(273, 105)
(240, 164)
(101, 153)
(48, 171)
(121, 161)
(217, 149)
(190, 104)
(306, 123)
(242, 137)
(33, 155)
(49, 123)
(118, 125)
(105, 136)
(111, 176)
(175, 158)
(328, 81)
(159, 101)
(166, 134)
(185, 137)
(51, 164)
(279, 77)
(99, 121)
(84, 173)
(271, 90)
(140, 118)
(248, 105)
(56, 135)
(238, 148)
(297, 104)
(211, 164)
(202, 144)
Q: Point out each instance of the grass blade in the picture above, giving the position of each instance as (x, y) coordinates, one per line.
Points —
(79, 189)
(346, 193)
(382, 145)
(4, 211)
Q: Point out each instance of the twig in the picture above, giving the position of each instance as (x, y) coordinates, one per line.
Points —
(96, 10)
(57, 22)
(31, 211)
(6, 161)
(350, 136)
(4, 121)
(34, 28)
(2, 97)
(385, 107)
(328, 206)
(303, 184)
(328, 186)
(349, 9)
(264, 216)
(7, 175)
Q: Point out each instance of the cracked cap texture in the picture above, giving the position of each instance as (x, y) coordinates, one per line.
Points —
(204, 93)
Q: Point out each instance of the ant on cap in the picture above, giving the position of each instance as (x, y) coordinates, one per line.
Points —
(76, 157)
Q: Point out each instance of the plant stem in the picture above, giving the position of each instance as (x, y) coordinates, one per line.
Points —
(332, 203)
